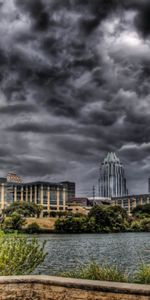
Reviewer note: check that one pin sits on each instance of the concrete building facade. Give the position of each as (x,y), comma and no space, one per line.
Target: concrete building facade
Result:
(52,196)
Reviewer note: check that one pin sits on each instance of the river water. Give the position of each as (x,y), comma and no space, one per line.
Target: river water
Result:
(68,251)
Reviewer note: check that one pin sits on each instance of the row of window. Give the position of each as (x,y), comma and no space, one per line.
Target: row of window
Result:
(125,203)
(34,195)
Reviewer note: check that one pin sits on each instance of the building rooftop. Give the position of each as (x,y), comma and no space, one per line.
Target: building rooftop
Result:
(45,183)
(111,157)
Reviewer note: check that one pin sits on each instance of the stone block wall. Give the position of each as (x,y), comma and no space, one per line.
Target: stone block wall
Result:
(54,288)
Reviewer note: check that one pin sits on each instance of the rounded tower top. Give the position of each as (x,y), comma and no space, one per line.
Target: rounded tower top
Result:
(111,158)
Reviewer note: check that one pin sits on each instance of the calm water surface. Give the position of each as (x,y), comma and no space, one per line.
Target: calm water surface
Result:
(65,252)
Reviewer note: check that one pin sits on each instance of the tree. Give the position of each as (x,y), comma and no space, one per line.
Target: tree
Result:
(141,211)
(13,222)
(19,256)
(108,218)
(100,219)
(71,225)
(25,209)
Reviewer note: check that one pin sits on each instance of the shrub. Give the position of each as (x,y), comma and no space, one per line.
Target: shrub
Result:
(71,225)
(145,224)
(95,272)
(143,274)
(136,226)
(19,256)
(14,222)
(33,228)
(141,211)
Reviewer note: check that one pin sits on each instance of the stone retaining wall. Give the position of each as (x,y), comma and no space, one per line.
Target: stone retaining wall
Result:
(55,288)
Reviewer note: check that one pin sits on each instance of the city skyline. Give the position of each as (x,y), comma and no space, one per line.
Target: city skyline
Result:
(74,85)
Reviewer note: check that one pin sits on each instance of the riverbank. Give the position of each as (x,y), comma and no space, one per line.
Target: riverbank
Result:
(79,225)
(46,225)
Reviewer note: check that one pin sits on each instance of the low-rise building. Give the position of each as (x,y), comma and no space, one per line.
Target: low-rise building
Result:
(81,201)
(131,201)
(99,200)
(52,196)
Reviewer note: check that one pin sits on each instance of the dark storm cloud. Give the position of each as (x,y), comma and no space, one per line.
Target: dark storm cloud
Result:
(142,19)
(38,13)
(74,84)
(39,128)
(17,109)
(30,167)
(98,11)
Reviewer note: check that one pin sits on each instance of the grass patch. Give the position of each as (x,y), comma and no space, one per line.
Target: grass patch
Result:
(95,272)
(143,274)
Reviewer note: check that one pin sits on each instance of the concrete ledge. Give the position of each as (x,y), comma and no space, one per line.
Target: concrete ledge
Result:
(49,287)
(106,286)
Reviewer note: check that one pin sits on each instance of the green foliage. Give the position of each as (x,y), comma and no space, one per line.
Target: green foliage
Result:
(53,214)
(95,272)
(135,226)
(140,225)
(61,214)
(108,218)
(58,214)
(33,228)
(100,219)
(141,211)
(145,225)
(14,222)
(90,225)
(143,274)
(25,209)
(71,225)
(19,256)
(105,219)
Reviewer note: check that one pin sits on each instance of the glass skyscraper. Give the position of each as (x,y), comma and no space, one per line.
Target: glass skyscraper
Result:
(112,181)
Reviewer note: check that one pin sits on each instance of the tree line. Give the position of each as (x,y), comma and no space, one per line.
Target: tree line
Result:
(106,219)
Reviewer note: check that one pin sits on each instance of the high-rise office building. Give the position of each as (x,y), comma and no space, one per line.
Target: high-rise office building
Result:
(149,185)
(70,190)
(112,181)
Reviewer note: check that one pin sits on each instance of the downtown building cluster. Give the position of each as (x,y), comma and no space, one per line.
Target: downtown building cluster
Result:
(113,185)
(61,196)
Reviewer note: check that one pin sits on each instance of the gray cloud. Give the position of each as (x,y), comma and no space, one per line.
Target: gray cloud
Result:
(74,84)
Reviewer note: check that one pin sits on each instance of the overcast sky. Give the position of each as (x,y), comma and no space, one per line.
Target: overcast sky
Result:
(75,84)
